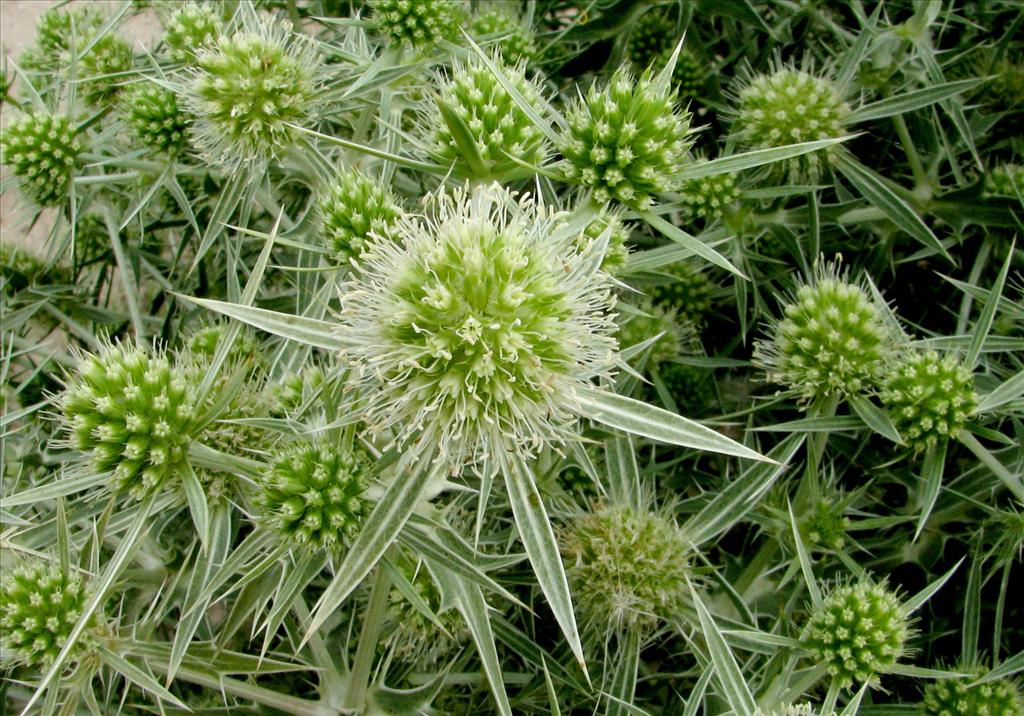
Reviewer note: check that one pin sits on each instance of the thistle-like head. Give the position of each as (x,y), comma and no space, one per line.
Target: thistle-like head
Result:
(133,413)
(314,495)
(42,149)
(627,141)
(352,207)
(627,568)
(420,24)
(833,339)
(156,119)
(246,88)
(858,632)
(472,330)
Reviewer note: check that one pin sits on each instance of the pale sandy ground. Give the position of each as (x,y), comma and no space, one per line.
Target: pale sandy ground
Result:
(17,31)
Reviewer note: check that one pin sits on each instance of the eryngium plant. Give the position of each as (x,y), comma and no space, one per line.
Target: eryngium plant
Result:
(474,329)
(833,339)
(244,91)
(858,632)
(39,605)
(132,413)
(352,207)
(628,141)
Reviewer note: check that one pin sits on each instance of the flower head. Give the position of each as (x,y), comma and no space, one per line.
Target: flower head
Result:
(513,38)
(957,697)
(833,339)
(627,568)
(709,197)
(154,115)
(929,397)
(1005,180)
(689,291)
(790,106)
(471,96)
(649,320)
(191,28)
(415,639)
(858,632)
(43,151)
(314,495)
(475,328)
(352,207)
(628,141)
(108,57)
(133,413)
(418,23)
(244,91)
(39,606)
(56,31)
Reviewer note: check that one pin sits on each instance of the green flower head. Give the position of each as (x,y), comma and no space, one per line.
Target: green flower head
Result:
(154,115)
(689,290)
(790,106)
(833,339)
(858,632)
(413,638)
(476,327)
(470,102)
(353,207)
(959,697)
(627,568)
(42,150)
(417,23)
(39,606)
(709,197)
(191,28)
(511,36)
(244,91)
(929,397)
(314,495)
(648,320)
(616,255)
(1005,180)
(56,31)
(628,141)
(103,67)
(132,413)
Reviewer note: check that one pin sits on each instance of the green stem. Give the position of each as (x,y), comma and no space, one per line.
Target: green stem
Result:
(916,168)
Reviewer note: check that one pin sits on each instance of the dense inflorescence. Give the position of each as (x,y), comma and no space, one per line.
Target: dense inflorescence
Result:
(191,28)
(512,37)
(627,568)
(1005,180)
(417,23)
(832,340)
(957,697)
(628,141)
(153,114)
(42,149)
(858,633)
(649,320)
(244,92)
(470,333)
(709,197)
(929,397)
(616,254)
(790,106)
(353,207)
(470,102)
(314,495)
(39,606)
(132,414)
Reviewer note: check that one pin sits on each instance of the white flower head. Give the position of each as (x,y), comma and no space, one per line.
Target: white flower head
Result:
(471,328)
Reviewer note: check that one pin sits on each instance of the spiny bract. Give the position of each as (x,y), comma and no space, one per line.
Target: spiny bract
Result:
(616,255)
(351,208)
(628,141)
(43,150)
(627,568)
(39,606)
(958,697)
(474,330)
(832,340)
(790,106)
(314,495)
(417,23)
(133,413)
(415,639)
(246,89)
(191,28)
(153,114)
(510,35)
(492,121)
(929,397)
(825,526)
(858,632)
